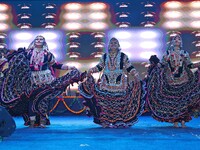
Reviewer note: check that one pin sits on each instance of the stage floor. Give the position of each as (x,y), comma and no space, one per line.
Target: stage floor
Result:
(80,133)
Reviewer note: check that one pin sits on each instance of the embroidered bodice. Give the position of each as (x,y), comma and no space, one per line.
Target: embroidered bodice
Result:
(114,77)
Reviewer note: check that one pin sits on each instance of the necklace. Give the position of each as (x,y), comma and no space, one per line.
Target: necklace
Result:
(37,58)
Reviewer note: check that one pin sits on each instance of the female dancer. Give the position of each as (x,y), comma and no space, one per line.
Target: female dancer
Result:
(28,83)
(173,89)
(114,101)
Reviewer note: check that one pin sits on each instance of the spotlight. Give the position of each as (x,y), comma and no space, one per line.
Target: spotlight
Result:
(123,14)
(97,54)
(98,44)
(48,25)
(24,16)
(73,45)
(148,4)
(49,6)
(173,33)
(123,24)
(49,15)
(24,25)
(24,6)
(123,4)
(98,34)
(73,35)
(3,7)
(148,24)
(73,55)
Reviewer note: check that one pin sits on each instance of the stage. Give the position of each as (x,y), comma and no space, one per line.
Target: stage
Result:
(79,132)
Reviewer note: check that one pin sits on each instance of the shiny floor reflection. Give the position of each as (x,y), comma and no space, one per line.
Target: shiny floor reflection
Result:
(79,132)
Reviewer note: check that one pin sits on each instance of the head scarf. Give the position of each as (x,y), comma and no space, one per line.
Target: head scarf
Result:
(118,49)
(37,57)
(172,43)
(32,45)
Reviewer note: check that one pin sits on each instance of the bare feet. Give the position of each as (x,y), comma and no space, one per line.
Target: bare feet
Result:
(176,124)
(183,124)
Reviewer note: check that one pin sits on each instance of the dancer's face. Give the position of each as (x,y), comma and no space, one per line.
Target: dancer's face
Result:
(39,41)
(177,41)
(114,44)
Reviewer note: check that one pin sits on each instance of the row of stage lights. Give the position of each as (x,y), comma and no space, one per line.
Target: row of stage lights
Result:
(85,16)
(177,15)
(49,16)
(100,8)
(5,23)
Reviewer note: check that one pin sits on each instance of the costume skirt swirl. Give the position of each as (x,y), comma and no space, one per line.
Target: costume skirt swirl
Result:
(172,103)
(113,109)
(17,92)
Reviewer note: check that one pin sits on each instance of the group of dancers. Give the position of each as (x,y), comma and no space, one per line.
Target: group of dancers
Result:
(170,91)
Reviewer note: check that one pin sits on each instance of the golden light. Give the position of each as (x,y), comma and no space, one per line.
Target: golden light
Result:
(173,14)
(98,26)
(73,6)
(173,24)
(195,24)
(72,16)
(72,26)
(3,17)
(3,27)
(97,6)
(195,4)
(195,14)
(173,5)
(3,7)
(97,16)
